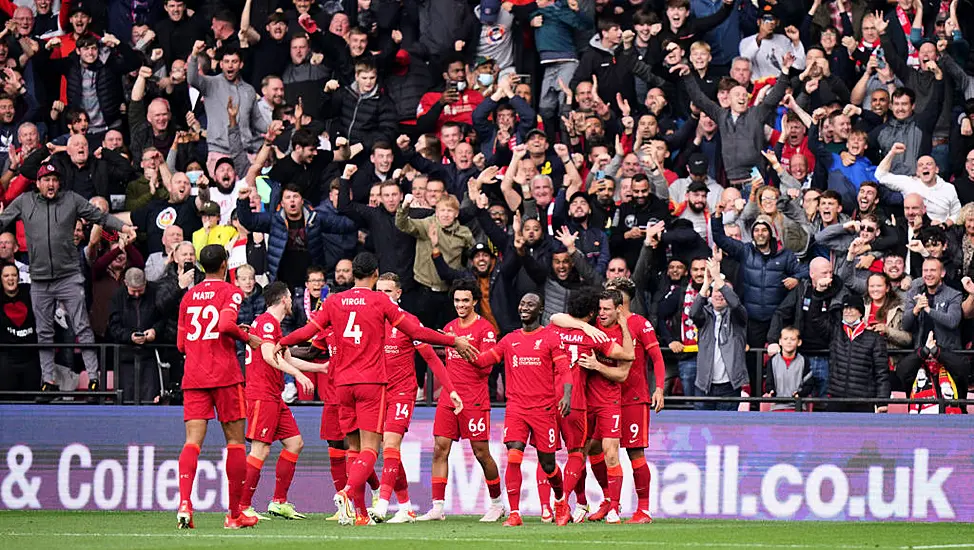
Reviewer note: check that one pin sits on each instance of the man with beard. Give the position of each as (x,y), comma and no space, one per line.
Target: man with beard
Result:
(343,277)
(575,215)
(632,218)
(932,305)
(568,273)
(768,272)
(698,170)
(940,197)
(267,48)
(495,277)
(178,209)
(695,209)
(676,329)
(218,91)
(304,166)
(604,206)
(894,267)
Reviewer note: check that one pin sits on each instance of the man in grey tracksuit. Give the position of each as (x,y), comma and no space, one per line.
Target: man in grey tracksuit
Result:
(49,218)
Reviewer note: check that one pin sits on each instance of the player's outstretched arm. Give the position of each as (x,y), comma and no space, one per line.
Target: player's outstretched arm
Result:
(267,351)
(564,320)
(303,334)
(436,365)
(616,374)
(228,325)
(625,351)
(411,327)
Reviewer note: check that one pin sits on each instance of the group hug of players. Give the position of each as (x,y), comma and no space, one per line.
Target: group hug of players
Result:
(581,382)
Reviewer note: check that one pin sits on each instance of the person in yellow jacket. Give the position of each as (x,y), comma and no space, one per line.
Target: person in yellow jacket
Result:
(212,232)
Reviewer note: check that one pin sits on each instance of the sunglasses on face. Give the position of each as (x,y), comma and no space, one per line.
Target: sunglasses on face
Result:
(869,229)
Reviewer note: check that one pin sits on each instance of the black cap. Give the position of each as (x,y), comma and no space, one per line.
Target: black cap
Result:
(698,164)
(578,195)
(481,247)
(698,186)
(209,208)
(220,162)
(80,8)
(854,301)
(535,132)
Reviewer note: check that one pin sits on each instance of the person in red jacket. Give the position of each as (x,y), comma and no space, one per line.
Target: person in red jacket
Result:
(455,103)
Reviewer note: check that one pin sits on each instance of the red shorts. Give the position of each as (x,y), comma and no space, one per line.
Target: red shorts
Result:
(605,422)
(269,421)
(635,426)
(540,424)
(361,407)
(573,429)
(331,429)
(470,424)
(198,403)
(399,413)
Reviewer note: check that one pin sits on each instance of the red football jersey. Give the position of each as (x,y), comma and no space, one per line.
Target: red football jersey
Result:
(470,380)
(400,360)
(211,357)
(326,380)
(535,364)
(599,390)
(636,387)
(359,318)
(576,343)
(264,381)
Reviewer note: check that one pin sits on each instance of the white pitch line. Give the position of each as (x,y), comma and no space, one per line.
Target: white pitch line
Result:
(937,546)
(460,539)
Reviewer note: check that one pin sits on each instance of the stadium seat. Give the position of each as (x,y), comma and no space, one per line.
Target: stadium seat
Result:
(898,408)
(765,407)
(970,408)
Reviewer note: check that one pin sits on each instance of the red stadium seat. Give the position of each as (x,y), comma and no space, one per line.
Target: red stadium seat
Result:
(898,408)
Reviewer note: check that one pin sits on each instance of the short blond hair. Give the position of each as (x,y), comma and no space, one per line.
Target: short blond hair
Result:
(700,45)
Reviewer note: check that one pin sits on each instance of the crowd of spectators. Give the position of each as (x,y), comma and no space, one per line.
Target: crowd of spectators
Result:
(796,176)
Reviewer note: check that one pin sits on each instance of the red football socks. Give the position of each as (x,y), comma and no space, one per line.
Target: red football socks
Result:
(544,488)
(599,470)
(358,472)
(574,472)
(512,478)
(402,486)
(439,488)
(250,483)
(580,497)
(236,468)
(554,479)
(188,459)
(339,472)
(391,464)
(614,489)
(641,477)
(284,473)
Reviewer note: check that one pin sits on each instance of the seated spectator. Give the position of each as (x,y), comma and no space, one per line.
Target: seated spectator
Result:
(722,321)
(20,368)
(134,319)
(789,374)
(934,373)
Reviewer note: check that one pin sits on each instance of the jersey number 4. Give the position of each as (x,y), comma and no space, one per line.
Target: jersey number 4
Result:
(199,315)
(352,330)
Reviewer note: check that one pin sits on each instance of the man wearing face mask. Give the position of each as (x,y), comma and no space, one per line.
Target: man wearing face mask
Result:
(454,104)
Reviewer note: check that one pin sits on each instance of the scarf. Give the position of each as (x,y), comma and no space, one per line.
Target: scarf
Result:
(853,332)
(688,331)
(912,57)
(868,49)
(924,388)
(309,306)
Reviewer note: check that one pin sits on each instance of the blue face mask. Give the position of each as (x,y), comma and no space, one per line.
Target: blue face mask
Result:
(485,79)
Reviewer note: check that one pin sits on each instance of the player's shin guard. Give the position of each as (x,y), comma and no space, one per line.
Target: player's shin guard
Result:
(254,466)
(512,478)
(544,487)
(284,473)
(236,469)
(391,465)
(358,473)
(574,471)
(599,470)
(188,459)
(641,477)
(339,471)
(554,479)
(614,489)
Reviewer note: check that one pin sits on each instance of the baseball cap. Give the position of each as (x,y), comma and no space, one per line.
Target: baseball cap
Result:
(481,247)
(578,195)
(535,132)
(209,208)
(47,170)
(698,164)
(482,60)
(698,186)
(489,11)
(222,161)
(767,14)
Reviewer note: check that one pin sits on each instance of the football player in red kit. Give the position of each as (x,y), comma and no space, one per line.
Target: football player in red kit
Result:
(268,418)
(359,317)
(401,366)
(603,391)
(207,328)
(473,423)
(539,391)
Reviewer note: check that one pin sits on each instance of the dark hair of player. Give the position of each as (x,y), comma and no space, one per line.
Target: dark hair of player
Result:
(469,285)
(212,258)
(612,294)
(275,292)
(583,303)
(364,265)
(623,285)
(390,276)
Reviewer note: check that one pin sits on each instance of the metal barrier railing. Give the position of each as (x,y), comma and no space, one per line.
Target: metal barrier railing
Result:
(429,397)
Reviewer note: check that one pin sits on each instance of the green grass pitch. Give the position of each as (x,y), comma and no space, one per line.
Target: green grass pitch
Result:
(131,530)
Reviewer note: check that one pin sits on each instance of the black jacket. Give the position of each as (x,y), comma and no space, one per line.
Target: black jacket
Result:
(129,315)
(361,118)
(503,299)
(793,308)
(631,215)
(99,176)
(108,79)
(857,368)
